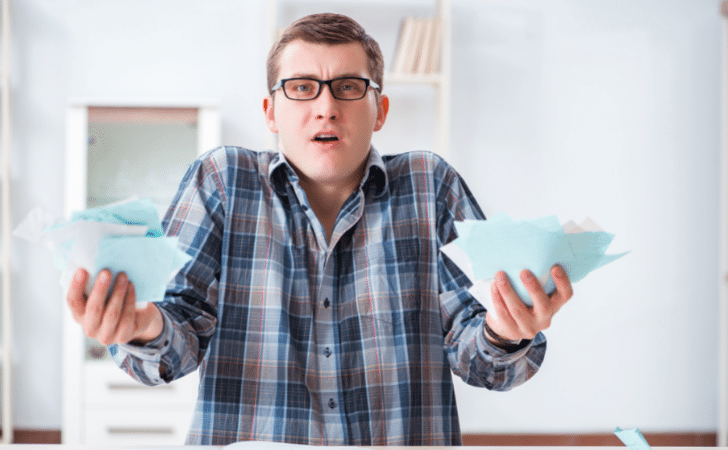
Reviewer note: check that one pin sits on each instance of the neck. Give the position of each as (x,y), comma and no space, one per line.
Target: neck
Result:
(326,200)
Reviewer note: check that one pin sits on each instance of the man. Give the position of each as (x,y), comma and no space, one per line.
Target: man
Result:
(317,304)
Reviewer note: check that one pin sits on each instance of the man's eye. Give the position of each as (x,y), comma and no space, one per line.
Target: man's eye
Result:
(302,87)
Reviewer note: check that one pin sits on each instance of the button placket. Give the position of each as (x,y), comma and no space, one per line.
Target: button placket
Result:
(327,359)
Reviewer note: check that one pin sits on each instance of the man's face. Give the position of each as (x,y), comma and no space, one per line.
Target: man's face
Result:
(347,125)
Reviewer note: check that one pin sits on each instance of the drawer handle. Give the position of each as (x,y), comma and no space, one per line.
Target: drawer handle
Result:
(118,431)
(138,387)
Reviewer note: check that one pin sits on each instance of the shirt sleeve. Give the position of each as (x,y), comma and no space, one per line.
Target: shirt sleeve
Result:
(471,356)
(189,308)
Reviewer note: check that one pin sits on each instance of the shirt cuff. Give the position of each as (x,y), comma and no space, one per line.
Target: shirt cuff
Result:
(495,351)
(152,350)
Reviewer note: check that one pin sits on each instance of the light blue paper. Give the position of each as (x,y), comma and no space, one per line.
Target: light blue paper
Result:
(501,243)
(148,262)
(129,212)
(632,438)
(125,236)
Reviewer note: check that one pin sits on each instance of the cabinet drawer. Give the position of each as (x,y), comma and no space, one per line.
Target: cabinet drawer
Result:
(136,427)
(106,385)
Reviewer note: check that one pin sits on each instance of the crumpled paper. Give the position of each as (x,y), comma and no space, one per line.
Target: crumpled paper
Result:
(484,247)
(125,236)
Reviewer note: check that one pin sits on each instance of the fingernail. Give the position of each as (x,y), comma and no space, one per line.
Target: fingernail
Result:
(502,278)
(104,276)
(121,280)
(78,276)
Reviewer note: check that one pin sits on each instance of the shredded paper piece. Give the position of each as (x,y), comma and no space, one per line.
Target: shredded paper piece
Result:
(632,438)
(484,247)
(122,237)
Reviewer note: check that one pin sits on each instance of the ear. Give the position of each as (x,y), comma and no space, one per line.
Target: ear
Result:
(382,112)
(270,119)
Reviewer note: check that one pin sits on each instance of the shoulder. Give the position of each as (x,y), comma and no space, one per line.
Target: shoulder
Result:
(427,170)
(236,158)
(229,164)
(416,163)
(430,177)
(225,167)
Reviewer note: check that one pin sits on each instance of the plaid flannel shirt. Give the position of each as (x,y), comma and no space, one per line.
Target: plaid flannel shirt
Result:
(304,340)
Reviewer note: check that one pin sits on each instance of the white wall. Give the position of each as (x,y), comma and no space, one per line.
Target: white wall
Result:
(570,107)
(608,110)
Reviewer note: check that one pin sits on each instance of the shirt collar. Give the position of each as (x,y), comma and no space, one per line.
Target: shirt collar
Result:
(375,173)
(280,172)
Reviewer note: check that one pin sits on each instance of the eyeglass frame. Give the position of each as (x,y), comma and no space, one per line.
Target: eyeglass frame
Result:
(369,83)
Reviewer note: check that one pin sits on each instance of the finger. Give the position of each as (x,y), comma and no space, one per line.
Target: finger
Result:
(125,330)
(75,296)
(517,309)
(564,290)
(524,317)
(96,304)
(539,298)
(543,309)
(112,312)
(502,322)
(504,317)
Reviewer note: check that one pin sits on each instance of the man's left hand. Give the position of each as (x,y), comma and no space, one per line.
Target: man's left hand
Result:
(514,320)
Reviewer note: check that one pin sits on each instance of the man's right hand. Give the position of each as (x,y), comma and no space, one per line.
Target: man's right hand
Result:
(115,318)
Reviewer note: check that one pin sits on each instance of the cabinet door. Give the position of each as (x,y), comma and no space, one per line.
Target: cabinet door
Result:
(108,386)
(115,152)
(126,426)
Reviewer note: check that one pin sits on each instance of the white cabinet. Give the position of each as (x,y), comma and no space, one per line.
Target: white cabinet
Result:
(119,410)
(116,150)
(382,20)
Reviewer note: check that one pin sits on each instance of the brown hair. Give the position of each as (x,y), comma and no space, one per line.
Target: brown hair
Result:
(330,29)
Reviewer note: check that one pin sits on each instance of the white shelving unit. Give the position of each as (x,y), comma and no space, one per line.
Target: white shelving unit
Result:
(115,149)
(440,82)
(723,358)
(5,211)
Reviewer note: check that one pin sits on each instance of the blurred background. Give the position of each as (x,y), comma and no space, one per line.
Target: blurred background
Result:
(575,108)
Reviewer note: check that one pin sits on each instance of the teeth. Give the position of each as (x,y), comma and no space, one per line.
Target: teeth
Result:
(325,137)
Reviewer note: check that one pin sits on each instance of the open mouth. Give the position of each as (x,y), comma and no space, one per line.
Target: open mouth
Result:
(326,138)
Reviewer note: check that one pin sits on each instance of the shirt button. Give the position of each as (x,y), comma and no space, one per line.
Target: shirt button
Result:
(327,352)
(326,303)
(332,403)
(304,208)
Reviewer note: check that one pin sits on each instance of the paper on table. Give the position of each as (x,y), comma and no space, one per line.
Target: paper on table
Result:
(124,236)
(484,247)
(632,438)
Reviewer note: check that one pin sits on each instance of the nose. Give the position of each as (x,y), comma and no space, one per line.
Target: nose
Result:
(326,106)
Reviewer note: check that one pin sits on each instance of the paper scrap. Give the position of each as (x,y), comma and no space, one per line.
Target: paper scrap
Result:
(484,247)
(125,236)
(632,438)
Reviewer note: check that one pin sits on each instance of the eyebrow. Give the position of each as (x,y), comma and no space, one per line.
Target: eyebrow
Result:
(309,75)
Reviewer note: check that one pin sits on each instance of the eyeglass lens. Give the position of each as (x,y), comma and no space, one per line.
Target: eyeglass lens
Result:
(308,89)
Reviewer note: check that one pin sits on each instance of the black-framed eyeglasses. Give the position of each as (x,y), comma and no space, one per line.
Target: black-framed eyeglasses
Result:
(343,88)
